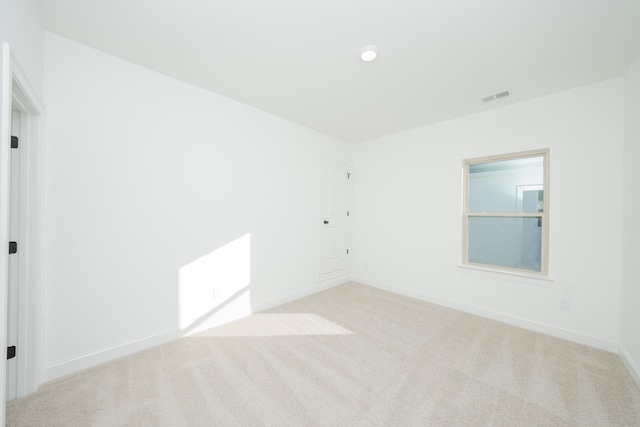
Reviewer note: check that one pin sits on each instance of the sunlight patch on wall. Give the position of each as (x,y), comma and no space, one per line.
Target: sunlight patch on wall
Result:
(215,288)
(278,324)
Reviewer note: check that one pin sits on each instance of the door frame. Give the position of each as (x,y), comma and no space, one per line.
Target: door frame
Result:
(21,96)
(5,138)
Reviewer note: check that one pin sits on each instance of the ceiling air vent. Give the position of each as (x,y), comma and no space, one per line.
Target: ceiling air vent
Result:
(498,95)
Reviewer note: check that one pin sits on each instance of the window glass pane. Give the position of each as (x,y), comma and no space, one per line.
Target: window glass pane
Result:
(507,185)
(513,242)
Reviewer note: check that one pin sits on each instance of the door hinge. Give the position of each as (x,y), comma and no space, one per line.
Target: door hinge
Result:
(13,247)
(348,175)
(347,213)
(11,352)
(14,142)
(347,251)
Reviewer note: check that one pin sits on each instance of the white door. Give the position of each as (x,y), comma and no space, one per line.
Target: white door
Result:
(335,218)
(14,231)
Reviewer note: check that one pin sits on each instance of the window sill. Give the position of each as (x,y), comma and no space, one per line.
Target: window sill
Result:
(530,279)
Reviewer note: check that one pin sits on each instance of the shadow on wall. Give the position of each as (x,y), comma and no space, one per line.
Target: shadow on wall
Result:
(215,288)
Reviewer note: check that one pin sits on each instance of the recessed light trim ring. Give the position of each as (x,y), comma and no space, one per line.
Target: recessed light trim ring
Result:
(368,53)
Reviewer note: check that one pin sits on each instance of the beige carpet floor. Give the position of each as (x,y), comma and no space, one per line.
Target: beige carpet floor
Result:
(349,356)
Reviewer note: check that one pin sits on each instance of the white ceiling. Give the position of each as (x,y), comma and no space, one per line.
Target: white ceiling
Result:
(299,59)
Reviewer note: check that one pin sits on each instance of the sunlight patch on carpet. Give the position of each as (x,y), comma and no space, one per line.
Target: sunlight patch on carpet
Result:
(278,324)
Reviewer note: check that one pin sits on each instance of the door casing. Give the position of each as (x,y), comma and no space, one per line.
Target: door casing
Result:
(18,94)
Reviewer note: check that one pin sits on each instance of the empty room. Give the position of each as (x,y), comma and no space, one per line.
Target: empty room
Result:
(354,213)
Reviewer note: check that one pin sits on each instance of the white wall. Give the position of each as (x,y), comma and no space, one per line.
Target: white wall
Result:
(407,212)
(163,202)
(21,26)
(630,321)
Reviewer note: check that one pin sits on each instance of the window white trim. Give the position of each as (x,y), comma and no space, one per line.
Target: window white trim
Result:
(544,215)
(515,276)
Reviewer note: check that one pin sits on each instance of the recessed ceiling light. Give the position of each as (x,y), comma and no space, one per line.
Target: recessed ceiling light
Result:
(368,53)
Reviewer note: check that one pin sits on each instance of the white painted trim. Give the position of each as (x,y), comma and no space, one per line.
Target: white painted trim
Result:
(630,364)
(30,330)
(335,274)
(567,334)
(26,95)
(322,285)
(5,135)
(90,359)
(530,279)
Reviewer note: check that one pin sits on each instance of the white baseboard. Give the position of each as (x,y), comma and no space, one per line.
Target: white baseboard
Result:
(567,334)
(630,364)
(90,359)
(321,286)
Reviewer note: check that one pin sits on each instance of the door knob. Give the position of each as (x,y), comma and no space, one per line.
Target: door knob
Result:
(326,222)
